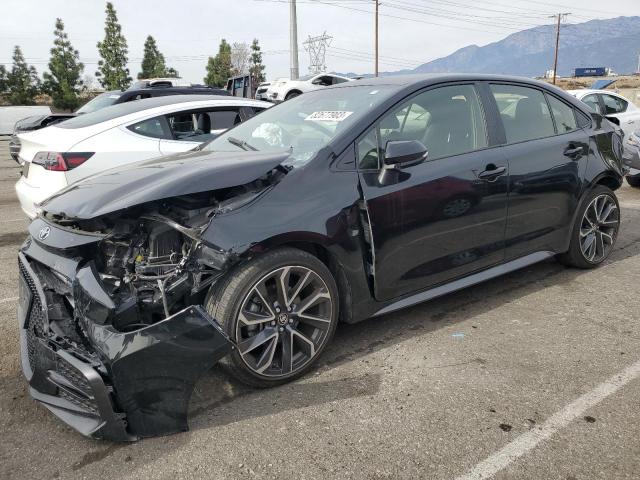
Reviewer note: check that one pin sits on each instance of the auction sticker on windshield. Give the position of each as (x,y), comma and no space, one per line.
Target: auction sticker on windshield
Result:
(328,116)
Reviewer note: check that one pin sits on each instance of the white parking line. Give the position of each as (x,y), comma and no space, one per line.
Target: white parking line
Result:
(528,441)
(7,300)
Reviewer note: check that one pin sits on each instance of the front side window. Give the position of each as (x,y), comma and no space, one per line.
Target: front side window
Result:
(593,103)
(563,115)
(613,104)
(524,112)
(200,126)
(149,128)
(446,120)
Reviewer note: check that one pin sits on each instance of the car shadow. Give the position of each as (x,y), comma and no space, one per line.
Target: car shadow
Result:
(220,400)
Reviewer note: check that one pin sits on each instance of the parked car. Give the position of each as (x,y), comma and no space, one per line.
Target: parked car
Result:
(261,91)
(250,249)
(613,105)
(59,155)
(139,90)
(284,89)
(631,158)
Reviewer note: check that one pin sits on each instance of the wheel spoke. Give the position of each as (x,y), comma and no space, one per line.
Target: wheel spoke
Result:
(266,359)
(282,285)
(252,318)
(321,323)
(607,212)
(287,351)
(308,346)
(261,290)
(599,245)
(299,286)
(257,340)
(588,243)
(607,237)
(309,302)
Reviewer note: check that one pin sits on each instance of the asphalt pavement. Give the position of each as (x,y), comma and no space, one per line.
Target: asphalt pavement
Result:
(535,375)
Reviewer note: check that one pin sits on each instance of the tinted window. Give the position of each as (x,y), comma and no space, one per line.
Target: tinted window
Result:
(224,119)
(447,120)
(149,128)
(103,100)
(562,114)
(613,104)
(524,112)
(200,126)
(592,102)
(125,108)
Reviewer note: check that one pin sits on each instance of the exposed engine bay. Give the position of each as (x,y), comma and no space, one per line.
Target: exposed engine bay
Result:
(151,260)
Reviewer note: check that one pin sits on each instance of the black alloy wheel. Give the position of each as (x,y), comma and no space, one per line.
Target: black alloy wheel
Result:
(281,311)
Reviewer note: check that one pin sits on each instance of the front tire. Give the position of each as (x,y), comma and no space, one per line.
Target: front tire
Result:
(281,310)
(291,95)
(595,230)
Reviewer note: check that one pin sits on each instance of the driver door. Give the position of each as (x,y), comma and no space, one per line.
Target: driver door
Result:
(443,218)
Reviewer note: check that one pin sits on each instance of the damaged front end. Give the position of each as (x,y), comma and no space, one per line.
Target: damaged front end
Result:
(113,331)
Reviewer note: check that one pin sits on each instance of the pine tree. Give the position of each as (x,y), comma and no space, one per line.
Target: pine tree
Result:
(256,68)
(112,68)
(23,83)
(3,80)
(219,67)
(63,80)
(153,64)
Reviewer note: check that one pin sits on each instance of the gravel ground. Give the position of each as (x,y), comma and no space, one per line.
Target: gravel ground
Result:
(428,392)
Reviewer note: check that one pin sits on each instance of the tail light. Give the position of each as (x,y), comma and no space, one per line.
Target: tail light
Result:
(61,162)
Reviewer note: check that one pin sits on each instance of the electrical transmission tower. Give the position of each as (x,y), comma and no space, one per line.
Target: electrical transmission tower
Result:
(317,48)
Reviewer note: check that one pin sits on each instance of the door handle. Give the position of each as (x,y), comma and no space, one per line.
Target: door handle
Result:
(573,152)
(492,173)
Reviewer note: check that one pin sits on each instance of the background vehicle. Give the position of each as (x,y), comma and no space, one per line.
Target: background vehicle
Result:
(263,238)
(139,90)
(631,158)
(611,104)
(284,89)
(261,91)
(62,154)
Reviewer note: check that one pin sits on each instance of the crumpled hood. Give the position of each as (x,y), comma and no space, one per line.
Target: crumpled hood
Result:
(160,178)
(36,122)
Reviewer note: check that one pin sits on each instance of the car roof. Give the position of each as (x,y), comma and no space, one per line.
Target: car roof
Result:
(124,112)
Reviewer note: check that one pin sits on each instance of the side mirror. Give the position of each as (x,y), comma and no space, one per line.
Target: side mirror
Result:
(400,153)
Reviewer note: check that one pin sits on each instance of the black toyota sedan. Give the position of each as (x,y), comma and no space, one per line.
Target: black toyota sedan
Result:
(339,205)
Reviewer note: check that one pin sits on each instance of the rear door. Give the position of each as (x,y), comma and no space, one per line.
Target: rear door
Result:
(445,217)
(189,128)
(627,113)
(547,154)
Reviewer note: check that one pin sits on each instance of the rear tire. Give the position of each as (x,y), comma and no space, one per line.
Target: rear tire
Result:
(595,230)
(634,181)
(267,308)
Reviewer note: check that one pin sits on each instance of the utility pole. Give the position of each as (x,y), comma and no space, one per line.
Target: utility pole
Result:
(638,70)
(376,42)
(293,40)
(560,16)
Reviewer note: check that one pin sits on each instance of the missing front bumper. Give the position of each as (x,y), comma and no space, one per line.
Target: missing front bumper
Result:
(124,385)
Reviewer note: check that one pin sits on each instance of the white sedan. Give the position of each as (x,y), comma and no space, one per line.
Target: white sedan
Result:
(283,89)
(611,104)
(62,154)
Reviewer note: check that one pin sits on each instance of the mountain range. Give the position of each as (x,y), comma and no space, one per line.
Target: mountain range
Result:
(613,43)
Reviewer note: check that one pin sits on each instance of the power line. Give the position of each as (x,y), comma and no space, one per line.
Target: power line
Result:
(317,48)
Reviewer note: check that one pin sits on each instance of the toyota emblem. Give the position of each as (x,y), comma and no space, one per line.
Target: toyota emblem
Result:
(44,233)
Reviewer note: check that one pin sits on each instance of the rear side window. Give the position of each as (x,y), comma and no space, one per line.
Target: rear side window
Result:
(202,125)
(592,102)
(149,128)
(563,115)
(613,104)
(524,112)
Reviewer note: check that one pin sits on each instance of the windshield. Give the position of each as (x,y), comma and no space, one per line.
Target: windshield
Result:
(101,101)
(304,124)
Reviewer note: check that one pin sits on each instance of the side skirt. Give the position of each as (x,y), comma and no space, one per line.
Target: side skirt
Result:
(466,282)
